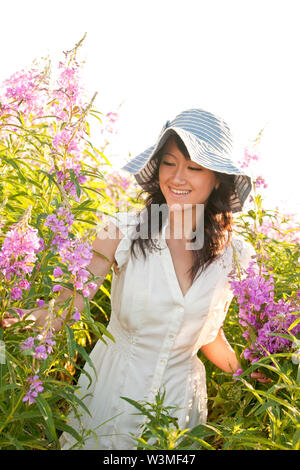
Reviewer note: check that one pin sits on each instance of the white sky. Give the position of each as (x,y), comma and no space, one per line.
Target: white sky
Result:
(237,58)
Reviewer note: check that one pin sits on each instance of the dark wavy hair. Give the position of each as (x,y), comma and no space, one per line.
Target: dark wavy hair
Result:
(217,216)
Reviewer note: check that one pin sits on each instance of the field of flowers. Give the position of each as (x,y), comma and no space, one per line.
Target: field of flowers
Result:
(55,188)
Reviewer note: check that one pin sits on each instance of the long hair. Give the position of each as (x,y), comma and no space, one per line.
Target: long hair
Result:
(217,216)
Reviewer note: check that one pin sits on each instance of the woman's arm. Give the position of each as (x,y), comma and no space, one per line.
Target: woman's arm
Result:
(99,266)
(220,353)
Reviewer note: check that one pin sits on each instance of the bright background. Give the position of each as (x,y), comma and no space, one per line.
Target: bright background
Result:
(236,58)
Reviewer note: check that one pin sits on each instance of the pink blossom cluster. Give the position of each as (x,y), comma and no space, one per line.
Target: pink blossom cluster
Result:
(260,182)
(247,162)
(43,349)
(35,387)
(26,93)
(75,253)
(122,182)
(110,120)
(248,158)
(260,314)
(281,228)
(68,142)
(119,188)
(18,257)
(59,108)
(68,91)
(40,347)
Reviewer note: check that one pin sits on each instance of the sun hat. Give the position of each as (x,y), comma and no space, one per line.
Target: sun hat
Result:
(209,143)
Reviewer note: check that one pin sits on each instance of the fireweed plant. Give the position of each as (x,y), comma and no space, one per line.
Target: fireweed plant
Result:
(263,325)
(52,193)
(270,326)
(55,187)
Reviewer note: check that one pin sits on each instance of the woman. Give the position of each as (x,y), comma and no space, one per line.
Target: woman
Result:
(170,293)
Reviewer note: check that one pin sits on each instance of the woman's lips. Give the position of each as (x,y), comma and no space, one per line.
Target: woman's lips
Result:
(179,193)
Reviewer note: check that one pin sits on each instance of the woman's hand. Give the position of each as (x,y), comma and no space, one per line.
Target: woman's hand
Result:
(38,316)
(260,377)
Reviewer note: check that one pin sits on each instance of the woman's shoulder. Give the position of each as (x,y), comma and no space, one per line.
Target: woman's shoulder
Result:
(125,221)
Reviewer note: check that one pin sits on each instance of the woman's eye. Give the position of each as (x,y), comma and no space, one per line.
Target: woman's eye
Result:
(164,162)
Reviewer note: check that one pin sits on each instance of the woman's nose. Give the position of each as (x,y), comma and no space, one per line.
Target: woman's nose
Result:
(179,175)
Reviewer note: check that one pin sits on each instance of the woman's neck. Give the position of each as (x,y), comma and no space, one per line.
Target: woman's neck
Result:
(184,224)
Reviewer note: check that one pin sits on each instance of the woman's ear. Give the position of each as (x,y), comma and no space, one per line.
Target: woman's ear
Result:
(217,184)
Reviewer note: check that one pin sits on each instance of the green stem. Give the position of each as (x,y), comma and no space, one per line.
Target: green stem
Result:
(12,413)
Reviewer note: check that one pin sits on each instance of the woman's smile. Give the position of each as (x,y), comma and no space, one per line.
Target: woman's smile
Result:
(179,193)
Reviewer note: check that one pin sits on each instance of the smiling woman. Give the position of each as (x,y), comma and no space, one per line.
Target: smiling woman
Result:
(179,181)
(161,314)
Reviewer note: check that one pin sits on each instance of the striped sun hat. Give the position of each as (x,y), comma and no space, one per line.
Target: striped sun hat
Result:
(209,143)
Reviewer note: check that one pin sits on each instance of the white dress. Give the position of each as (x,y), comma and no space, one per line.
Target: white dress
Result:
(157,333)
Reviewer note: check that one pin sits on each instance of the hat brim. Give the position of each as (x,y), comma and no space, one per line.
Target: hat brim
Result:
(143,166)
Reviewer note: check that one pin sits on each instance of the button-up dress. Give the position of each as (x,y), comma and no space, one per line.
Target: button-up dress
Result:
(158,332)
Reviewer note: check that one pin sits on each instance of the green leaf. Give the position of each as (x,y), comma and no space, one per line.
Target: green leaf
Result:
(204,444)
(70,341)
(252,334)
(296,438)
(104,331)
(17,168)
(87,222)
(66,428)
(14,441)
(46,412)
(70,398)
(86,357)
(9,387)
(295,323)
(103,289)
(75,181)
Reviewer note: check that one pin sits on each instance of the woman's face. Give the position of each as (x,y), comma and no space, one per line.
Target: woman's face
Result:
(183,181)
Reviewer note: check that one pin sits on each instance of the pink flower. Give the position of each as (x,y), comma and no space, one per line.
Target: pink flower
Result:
(24,284)
(248,157)
(35,388)
(40,352)
(78,284)
(92,285)
(18,252)
(77,316)
(40,302)
(27,344)
(57,272)
(20,312)
(237,374)
(57,288)
(85,292)
(16,293)
(260,182)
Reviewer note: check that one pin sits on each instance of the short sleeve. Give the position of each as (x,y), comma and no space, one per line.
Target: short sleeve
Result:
(215,319)
(244,252)
(224,295)
(126,222)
